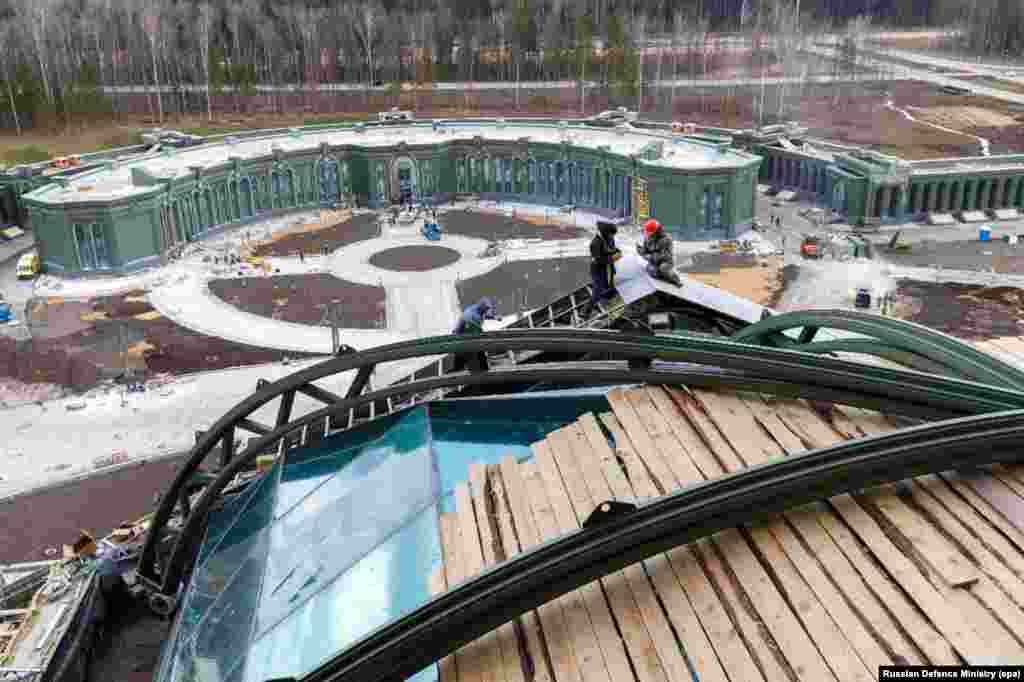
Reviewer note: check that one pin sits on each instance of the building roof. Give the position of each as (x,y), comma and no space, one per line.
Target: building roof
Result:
(117,183)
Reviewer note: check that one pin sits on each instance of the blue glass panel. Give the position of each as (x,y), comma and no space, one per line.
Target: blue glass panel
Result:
(391,480)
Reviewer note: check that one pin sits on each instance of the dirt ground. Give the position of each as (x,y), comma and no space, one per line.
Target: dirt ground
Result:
(76,344)
(525,285)
(414,258)
(757,279)
(997,256)
(298,298)
(355,229)
(498,227)
(971,313)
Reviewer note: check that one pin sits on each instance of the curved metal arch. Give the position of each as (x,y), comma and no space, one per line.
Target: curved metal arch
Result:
(941,348)
(914,391)
(611,541)
(895,354)
(572,373)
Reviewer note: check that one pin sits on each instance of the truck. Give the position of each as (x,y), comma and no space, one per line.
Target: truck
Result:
(810,247)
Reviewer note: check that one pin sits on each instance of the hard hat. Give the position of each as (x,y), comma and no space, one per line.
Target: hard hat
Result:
(651,226)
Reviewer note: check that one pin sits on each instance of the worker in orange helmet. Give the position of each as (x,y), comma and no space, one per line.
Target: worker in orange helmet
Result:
(657,251)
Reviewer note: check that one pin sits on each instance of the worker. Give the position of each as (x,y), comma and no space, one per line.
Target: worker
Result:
(603,254)
(657,251)
(471,322)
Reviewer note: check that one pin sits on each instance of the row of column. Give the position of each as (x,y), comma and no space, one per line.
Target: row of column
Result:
(801,173)
(966,195)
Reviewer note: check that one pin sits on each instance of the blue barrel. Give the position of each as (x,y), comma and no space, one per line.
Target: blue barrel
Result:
(983,234)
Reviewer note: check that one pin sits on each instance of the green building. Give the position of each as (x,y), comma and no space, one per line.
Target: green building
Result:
(128,209)
(132,213)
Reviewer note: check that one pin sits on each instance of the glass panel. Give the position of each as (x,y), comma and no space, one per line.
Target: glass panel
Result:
(246,200)
(100,246)
(460,176)
(531,177)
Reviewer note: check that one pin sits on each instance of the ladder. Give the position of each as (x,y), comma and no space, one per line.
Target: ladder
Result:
(565,311)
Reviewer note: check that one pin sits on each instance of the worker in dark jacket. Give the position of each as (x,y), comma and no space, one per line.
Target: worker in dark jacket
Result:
(657,251)
(603,254)
(471,322)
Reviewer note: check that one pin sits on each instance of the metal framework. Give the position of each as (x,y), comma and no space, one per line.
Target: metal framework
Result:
(618,535)
(602,358)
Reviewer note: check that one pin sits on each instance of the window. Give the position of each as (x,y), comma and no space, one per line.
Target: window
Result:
(508,176)
(345,177)
(91,245)
(328,181)
(716,209)
(247,203)
(281,188)
(460,176)
(705,202)
(531,177)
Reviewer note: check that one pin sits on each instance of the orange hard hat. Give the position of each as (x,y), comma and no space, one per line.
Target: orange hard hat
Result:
(652,226)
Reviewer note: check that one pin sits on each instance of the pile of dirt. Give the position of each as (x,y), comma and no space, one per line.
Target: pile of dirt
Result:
(302,299)
(355,229)
(499,227)
(417,258)
(761,281)
(526,285)
(963,117)
(968,312)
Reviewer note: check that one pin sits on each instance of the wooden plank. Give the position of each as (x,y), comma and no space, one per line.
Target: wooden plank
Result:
(882,605)
(865,644)
(584,639)
(1015,471)
(611,644)
(1004,500)
(1007,615)
(736,423)
(580,469)
(930,546)
(834,561)
(985,508)
(837,651)
(663,478)
(770,422)
(1000,646)
(961,635)
(488,659)
(1004,476)
(686,432)
(445,577)
(758,636)
(973,531)
(732,653)
(508,642)
(536,663)
(708,432)
(662,443)
(552,618)
(799,649)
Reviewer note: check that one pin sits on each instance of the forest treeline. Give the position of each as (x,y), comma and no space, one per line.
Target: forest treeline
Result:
(59,58)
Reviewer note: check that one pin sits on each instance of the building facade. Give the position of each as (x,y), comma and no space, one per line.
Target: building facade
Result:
(133,213)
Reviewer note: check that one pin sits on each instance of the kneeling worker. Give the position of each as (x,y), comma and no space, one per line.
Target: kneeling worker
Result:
(657,251)
(603,254)
(471,322)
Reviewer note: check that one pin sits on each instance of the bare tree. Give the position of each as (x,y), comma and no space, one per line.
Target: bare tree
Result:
(205,19)
(366,18)
(150,18)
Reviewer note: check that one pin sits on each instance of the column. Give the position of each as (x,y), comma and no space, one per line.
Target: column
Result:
(1011,191)
(1004,193)
(985,202)
(884,201)
(941,197)
(957,198)
(1019,199)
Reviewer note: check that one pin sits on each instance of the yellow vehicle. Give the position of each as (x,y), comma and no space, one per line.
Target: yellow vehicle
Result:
(28,265)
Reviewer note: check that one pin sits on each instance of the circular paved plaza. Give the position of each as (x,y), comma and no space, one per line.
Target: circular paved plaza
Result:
(414,258)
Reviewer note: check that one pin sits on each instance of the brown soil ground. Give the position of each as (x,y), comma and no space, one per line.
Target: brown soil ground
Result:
(414,258)
(757,279)
(298,298)
(968,312)
(355,229)
(498,227)
(75,343)
(525,285)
